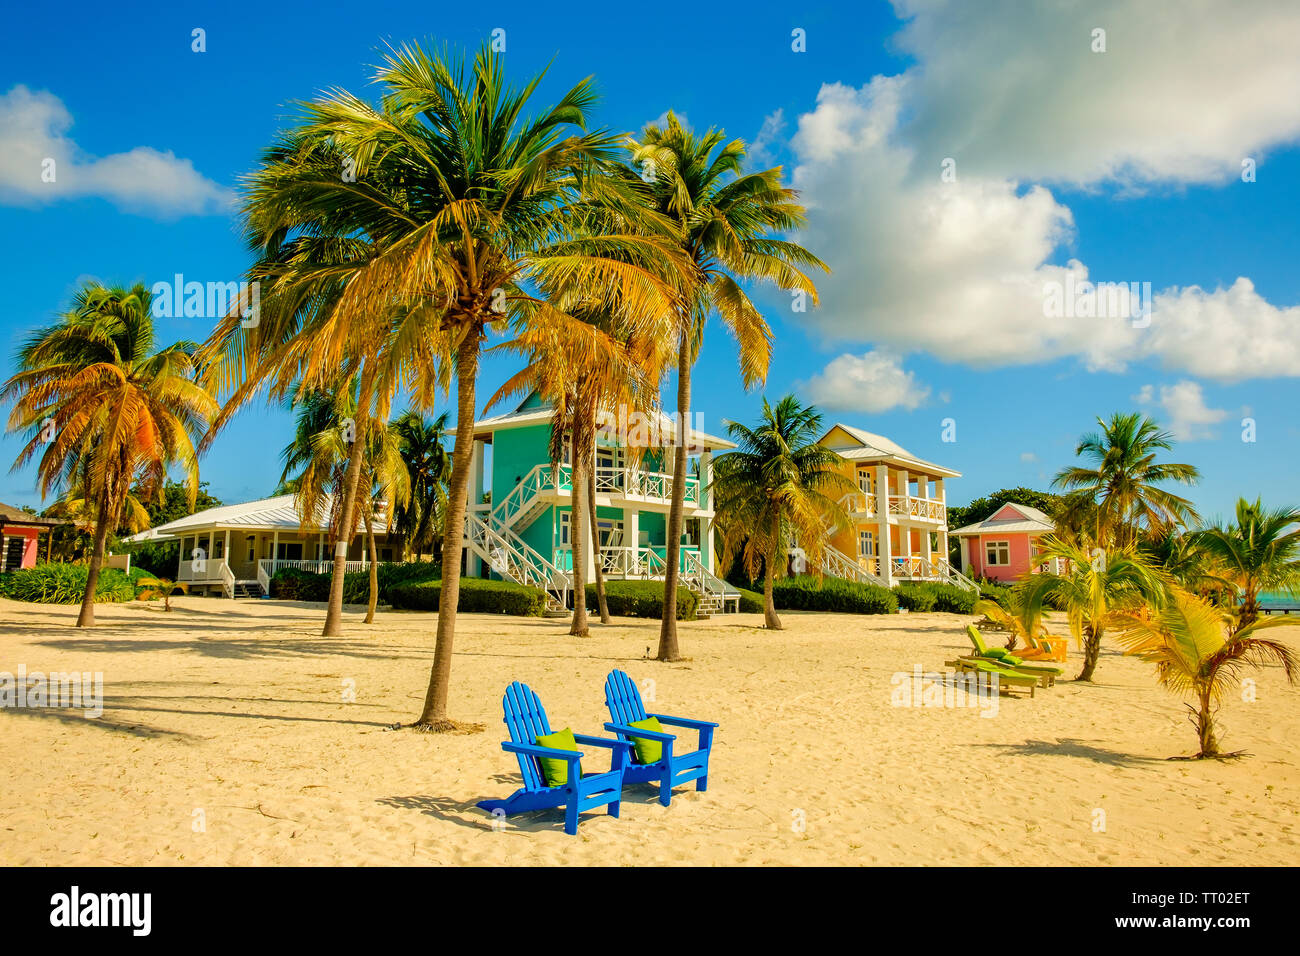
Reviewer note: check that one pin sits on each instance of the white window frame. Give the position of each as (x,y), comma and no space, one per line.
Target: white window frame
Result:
(564,536)
(870,539)
(994,546)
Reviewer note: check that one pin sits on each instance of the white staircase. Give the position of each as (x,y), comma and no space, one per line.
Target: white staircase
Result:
(839,565)
(510,556)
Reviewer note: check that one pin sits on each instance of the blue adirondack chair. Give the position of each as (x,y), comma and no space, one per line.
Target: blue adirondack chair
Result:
(525,719)
(671,769)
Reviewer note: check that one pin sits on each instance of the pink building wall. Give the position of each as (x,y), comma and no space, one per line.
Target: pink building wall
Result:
(1019,545)
(29,547)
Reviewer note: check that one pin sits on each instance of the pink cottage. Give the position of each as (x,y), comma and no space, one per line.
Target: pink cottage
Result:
(1000,547)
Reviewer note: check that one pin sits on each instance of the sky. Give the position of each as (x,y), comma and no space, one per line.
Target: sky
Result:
(968,169)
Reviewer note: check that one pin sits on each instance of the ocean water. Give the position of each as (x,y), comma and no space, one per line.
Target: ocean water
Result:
(1278,601)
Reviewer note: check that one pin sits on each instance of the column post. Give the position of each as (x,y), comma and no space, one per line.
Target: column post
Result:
(884,557)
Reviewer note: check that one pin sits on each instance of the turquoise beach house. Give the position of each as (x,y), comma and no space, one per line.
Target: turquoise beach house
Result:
(518,525)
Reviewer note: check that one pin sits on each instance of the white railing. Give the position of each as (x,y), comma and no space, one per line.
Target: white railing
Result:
(632,562)
(839,565)
(511,557)
(954,576)
(325,566)
(203,571)
(227,580)
(908,506)
(264,578)
(615,482)
(859,503)
(714,591)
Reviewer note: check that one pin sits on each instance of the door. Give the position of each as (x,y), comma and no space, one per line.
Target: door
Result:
(13,554)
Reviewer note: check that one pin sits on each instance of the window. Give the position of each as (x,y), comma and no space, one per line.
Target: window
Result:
(997,553)
(864,481)
(219,548)
(866,544)
(565,518)
(385,554)
(289,551)
(252,548)
(611,532)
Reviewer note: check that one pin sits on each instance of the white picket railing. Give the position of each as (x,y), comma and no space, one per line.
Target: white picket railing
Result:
(859,503)
(839,565)
(511,557)
(631,562)
(714,592)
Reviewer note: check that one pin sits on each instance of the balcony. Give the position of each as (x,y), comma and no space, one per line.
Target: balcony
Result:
(922,509)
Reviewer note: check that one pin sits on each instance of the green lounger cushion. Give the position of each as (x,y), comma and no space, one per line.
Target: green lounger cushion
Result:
(647,751)
(555,770)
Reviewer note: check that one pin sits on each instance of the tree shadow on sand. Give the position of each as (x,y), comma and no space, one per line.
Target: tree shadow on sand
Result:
(1066,747)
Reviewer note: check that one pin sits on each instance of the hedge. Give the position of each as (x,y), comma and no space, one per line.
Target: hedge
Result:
(476,595)
(930,596)
(58,583)
(292,584)
(805,592)
(751,602)
(643,599)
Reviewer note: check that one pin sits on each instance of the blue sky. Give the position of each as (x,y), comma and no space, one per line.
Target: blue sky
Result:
(1122,164)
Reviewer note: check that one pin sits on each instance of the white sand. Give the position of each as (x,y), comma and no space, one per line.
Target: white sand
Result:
(236,709)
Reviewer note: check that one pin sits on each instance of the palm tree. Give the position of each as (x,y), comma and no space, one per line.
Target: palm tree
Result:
(1096,585)
(452,203)
(118,411)
(1196,655)
(728,225)
(316,463)
(1018,625)
(1123,482)
(780,487)
(418,519)
(1261,552)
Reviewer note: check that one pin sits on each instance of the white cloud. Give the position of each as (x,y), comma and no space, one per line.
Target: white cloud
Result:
(760,154)
(1014,89)
(872,382)
(34,127)
(1028,457)
(959,269)
(1186,416)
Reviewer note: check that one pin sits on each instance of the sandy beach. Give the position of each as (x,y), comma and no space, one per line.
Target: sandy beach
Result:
(228,737)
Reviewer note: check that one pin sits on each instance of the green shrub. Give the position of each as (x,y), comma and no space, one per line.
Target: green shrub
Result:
(805,593)
(58,583)
(643,599)
(291,584)
(997,593)
(751,602)
(932,596)
(476,595)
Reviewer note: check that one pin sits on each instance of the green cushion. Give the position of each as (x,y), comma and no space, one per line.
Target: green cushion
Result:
(555,770)
(995,653)
(1010,658)
(647,751)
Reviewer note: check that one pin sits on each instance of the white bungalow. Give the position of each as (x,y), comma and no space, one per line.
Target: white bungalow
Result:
(235,549)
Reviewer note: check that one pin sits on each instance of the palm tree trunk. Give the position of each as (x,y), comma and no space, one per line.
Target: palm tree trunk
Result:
(374,573)
(578,481)
(87,616)
(1091,651)
(1205,722)
(601,603)
(668,649)
(770,619)
(434,715)
(347,514)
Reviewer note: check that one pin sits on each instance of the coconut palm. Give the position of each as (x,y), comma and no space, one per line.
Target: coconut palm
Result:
(160,587)
(1260,552)
(417,520)
(99,405)
(728,225)
(1018,625)
(1198,655)
(316,465)
(778,488)
(396,237)
(1124,480)
(1097,585)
